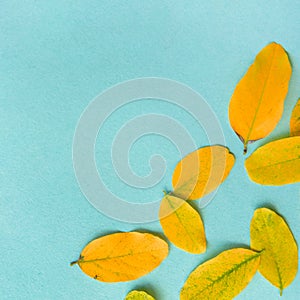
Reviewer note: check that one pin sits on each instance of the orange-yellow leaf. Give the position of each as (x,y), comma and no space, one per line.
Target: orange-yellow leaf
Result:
(138,295)
(256,105)
(182,224)
(279,258)
(122,256)
(295,120)
(222,277)
(201,172)
(276,163)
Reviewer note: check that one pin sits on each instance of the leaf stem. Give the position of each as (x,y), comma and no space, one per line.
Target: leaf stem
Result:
(245,149)
(74,263)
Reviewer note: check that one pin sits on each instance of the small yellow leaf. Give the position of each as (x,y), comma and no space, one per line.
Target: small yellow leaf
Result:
(201,172)
(182,224)
(122,256)
(276,163)
(138,295)
(279,258)
(295,120)
(222,277)
(256,105)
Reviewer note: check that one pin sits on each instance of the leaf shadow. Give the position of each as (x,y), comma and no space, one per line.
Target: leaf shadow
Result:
(155,233)
(148,288)
(268,205)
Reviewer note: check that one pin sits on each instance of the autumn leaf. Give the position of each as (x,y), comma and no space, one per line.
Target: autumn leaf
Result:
(201,172)
(295,120)
(182,224)
(256,105)
(138,295)
(222,277)
(122,256)
(279,260)
(276,163)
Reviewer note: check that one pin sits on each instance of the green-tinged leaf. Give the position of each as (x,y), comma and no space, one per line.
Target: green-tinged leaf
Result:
(279,260)
(222,277)
(276,163)
(138,295)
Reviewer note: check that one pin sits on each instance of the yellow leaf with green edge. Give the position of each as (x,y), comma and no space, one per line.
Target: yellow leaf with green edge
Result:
(182,224)
(256,105)
(222,277)
(138,295)
(202,171)
(122,256)
(279,258)
(295,120)
(276,163)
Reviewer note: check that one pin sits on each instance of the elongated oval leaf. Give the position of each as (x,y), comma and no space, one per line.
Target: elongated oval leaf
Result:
(279,260)
(138,295)
(222,277)
(202,171)
(182,224)
(256,105)
(295,120)
(276,163)
(122,256)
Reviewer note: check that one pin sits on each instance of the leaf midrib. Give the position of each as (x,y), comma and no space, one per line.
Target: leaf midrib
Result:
(81,260)
(179,219)
(274,164)
(260,100)
(236,267)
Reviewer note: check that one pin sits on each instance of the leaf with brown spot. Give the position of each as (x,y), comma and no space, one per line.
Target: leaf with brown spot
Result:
(122,256)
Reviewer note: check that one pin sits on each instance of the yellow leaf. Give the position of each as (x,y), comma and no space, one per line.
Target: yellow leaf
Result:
(201,172)
(256,105)
(182,224)
(276,163)
(122,256)
(295,120)
(222,277)
(279,260)
(138,295)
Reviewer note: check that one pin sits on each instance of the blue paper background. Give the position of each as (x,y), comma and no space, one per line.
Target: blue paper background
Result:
(58,55)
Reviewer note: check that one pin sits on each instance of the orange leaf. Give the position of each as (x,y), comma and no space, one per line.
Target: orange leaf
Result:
(122,256)
(202,171)
(256,105)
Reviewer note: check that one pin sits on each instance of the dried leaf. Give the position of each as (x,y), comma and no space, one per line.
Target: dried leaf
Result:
(222,277)
(122,256)
(276,163)
(256,105)
(138,295)
(295,120)
(279,260)
(201,172)
(182,224)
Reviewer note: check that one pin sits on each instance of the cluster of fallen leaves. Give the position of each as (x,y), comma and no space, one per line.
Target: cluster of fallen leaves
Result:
(254,111)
